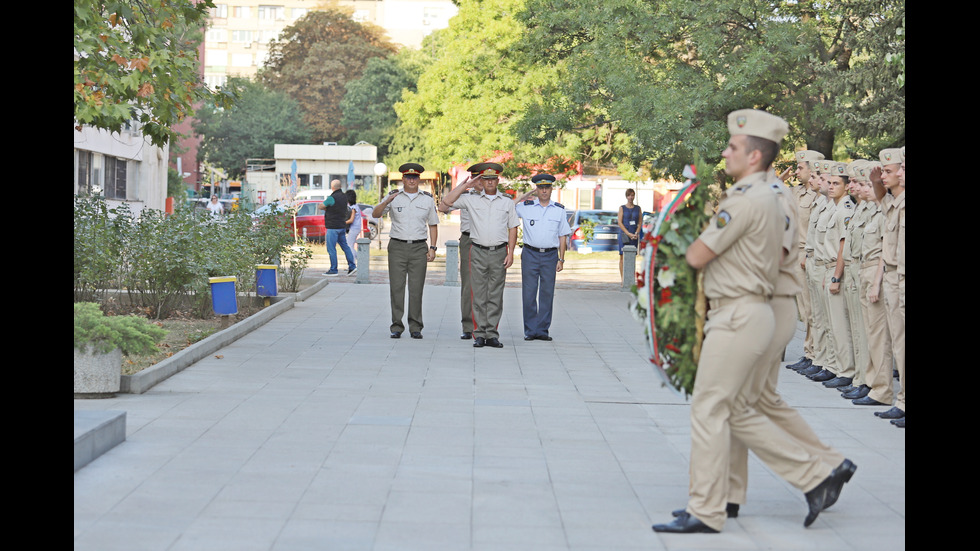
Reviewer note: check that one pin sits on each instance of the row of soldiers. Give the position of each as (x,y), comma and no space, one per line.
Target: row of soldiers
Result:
(852,261)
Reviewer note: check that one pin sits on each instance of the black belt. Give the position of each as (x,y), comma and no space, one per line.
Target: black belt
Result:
(493,248)
(540,250)
(466,233)
(410,241)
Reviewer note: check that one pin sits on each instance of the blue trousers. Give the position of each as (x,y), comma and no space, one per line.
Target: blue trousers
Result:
(538,290)
(339,237)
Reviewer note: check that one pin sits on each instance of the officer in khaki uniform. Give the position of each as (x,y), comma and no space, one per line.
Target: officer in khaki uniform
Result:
(740,252)
(817,269)
(806,200)
(413,218)
(889,189)
(493,231)
(834,243)
(851,287)
(764,386)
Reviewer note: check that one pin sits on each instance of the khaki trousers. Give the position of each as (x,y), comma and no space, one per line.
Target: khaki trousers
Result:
(465,285)
(406,261)
(879,373)
(823,339)
(489,277)
(737,337)
(859,336)
(769,403)
(894,303)
(803,304)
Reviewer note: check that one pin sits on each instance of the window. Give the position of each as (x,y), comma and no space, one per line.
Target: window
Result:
(115,178)
(271,13)
(219,10)
(361,16)
(298,12)
(241,37)
(241,12)
(84,173)
(217,34)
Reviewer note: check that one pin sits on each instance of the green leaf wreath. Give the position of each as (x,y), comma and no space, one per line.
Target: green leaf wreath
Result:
(669,294)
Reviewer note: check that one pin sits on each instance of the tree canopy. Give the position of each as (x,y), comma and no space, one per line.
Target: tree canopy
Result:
(259,119)
(313,60)
(137,60)
(667,72)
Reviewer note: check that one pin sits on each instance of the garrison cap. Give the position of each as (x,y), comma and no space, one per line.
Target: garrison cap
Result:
(543,180)
(891,156)
(837,169)
(808,156)
(411,169)
(752,122)
(854,168)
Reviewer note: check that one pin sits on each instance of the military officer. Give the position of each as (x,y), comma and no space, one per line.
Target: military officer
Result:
(806,200)
(740,252)
(546,232)
(493,231)
(413,218)
(889,189)
(465,281)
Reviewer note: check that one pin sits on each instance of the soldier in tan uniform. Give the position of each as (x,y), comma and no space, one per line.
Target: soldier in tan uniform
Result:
(818,276)
(834,242)
(413,218)
(465,280)
(806,200)
(740,253)
(493,230)
(889,189)
(852,282)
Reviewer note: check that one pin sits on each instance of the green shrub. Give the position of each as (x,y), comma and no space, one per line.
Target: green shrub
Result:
(131,334)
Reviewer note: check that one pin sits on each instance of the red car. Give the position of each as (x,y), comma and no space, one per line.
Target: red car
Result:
(310,220)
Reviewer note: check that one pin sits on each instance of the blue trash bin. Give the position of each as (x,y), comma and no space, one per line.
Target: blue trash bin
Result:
(265,280)
(223,296)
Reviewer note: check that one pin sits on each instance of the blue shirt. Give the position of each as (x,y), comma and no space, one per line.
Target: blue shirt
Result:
(543,224)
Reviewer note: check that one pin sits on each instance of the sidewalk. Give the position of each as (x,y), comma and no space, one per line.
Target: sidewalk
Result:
(318,432)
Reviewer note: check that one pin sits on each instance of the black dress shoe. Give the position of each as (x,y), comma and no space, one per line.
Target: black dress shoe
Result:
(846,471)
(684,523)
(812,370)
(893,413)
(479,342)
(824,375)
(731,509)
(846,388)
(838,382)
(528,338)
(900,423)
(817,498)
(803,363)
(859,392)
(494,342)
(867,401)
(466,336)
(396,334)
(543,338)
(416,334)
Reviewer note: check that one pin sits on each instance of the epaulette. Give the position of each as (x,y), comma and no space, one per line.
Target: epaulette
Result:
(529,202)
(394,191)
(559,205)
(427,193)
(848,205)
(776,187)
(742,188)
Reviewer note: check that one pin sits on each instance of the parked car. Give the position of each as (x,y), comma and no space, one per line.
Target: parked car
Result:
(605,235)
(375,225)
(306,215)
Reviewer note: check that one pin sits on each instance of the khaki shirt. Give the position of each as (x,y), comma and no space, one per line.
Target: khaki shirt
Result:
(825,217)
(871,244)
(787,283)
(411,217)
(491,217)
(855,231)
(892,248)
(747,234)
(811,225)
(806,200)
(837,229)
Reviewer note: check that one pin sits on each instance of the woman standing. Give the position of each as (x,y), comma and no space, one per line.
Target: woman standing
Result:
(630,226)
(353,220)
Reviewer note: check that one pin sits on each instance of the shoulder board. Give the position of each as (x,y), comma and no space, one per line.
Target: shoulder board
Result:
(529,202)
(776,187)
(394,191)
(559,205)
(426,193)
(848,206)
(741,189)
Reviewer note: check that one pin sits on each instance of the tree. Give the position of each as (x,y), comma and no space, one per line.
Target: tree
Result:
(315,58)
(369,104)
(471,94)
(137,60)
(667,72)
(251,127)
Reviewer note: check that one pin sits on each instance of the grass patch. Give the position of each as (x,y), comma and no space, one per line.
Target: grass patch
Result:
(181,333)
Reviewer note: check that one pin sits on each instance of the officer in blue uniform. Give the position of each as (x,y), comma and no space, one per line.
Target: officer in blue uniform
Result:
(546,234)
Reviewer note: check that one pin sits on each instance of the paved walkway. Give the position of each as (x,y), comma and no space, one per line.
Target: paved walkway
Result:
(318,432)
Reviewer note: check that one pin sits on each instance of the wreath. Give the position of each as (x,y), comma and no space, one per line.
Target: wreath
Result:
(669,293)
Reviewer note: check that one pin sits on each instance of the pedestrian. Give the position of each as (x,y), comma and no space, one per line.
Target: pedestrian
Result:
(334,210)
(493,231)
(740,252)
(214,206)
(546,232)
(630,222)
(353,220)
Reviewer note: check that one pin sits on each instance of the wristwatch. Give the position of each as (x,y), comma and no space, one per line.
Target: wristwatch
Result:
(433,248)
(834,279)
(562,260)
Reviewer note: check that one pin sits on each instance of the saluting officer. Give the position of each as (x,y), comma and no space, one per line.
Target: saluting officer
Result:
(546,232)
(412,211)
(493,231)
(465,281)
